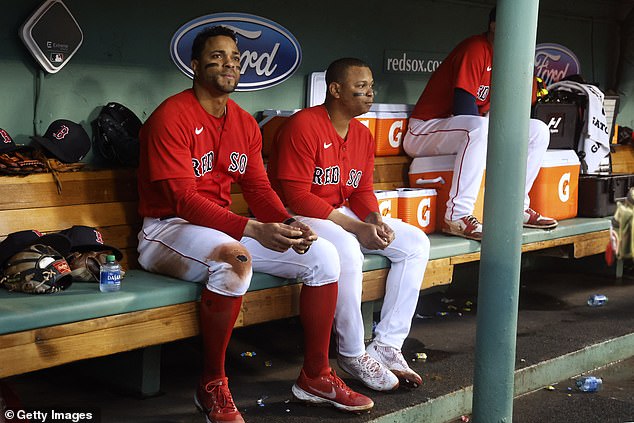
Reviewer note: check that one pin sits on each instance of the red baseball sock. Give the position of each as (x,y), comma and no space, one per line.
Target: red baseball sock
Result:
(218,314)
(317,311)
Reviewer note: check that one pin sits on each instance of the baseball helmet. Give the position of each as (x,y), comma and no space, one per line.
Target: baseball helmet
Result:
(116,134)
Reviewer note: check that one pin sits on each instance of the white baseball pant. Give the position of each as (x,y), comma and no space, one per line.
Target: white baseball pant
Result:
(175,247)
(467,136)
(409,253)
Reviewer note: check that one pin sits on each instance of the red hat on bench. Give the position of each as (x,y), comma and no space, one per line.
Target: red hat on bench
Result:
(18,241)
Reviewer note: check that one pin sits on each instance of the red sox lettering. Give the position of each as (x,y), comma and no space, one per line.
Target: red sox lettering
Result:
(204,164)
(354,177)
(328,176)
(483,92)
(238,162)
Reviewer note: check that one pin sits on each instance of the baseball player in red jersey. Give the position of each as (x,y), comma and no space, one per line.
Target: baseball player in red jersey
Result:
(321,165)
(451,117)
(193,147)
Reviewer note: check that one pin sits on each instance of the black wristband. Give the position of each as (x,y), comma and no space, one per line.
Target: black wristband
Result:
(289,221)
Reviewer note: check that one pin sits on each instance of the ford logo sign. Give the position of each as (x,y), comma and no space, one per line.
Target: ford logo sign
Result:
(553,62)
(269,53)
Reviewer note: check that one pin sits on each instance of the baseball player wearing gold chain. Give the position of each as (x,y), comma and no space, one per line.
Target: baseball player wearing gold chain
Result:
(321,160)
(193,147)
(451,117)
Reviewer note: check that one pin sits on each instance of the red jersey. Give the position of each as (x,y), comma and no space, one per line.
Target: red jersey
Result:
(181,141)
(467,67)
(314,170)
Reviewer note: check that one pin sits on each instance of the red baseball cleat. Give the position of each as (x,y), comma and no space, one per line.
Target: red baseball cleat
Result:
(215,401)
(467,227)
(533,219)
(332,390)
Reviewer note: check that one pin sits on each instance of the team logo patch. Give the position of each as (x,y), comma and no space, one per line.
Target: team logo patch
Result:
(553,62)
(6,138)
(63,131)
(269,53)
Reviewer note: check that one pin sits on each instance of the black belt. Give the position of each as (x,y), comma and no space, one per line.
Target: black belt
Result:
(167,217)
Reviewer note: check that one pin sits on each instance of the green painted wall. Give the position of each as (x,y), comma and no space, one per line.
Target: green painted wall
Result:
(125,56)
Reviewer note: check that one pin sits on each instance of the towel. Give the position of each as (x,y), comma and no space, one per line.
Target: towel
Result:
(594,139)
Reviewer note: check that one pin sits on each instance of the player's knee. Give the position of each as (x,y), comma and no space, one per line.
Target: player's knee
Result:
(323,265)
(421,244)
(541,131)
(230,268)
(411,243)
(479,132)
(350,254)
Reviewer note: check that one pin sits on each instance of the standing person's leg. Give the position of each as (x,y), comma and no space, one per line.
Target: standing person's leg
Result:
(538,140)
(466,137)
(165,246)
(318,269)
(349,328)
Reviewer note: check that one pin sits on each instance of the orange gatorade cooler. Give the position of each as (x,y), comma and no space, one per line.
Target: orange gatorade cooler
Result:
(270,123)
(390,127)
(555,190)
(417,206)
(389,132)
(369,120)
(388,202)
(436,172)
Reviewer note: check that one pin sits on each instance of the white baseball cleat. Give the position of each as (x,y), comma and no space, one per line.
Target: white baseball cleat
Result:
(372,373)
(393,359)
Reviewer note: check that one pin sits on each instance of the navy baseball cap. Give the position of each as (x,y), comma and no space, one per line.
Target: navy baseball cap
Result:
(18,241)
(66,140)
(7,145)
(86,238)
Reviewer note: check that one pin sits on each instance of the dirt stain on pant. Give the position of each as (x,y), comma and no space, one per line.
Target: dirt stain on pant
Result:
(237,256)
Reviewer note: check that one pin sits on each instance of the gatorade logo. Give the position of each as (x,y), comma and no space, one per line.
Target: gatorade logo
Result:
(395,134)
(385,208)
(423,214)
(563,188)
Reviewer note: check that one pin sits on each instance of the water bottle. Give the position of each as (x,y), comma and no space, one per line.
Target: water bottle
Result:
(110,275)
(597,300)
(589,384)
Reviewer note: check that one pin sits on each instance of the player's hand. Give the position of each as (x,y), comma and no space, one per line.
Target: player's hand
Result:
(383,229)
(370,238)
(385,232)
(274,236)
(307,238)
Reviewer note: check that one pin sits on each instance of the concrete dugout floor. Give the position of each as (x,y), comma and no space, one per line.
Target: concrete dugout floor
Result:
(554,327)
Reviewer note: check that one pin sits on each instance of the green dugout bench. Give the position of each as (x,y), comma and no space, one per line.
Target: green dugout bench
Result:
(41,331)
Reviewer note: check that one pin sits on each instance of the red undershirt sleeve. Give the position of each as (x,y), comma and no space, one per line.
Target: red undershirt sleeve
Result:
(264,203)
(198,210)
(363,200)
(363,203)
(303,202)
